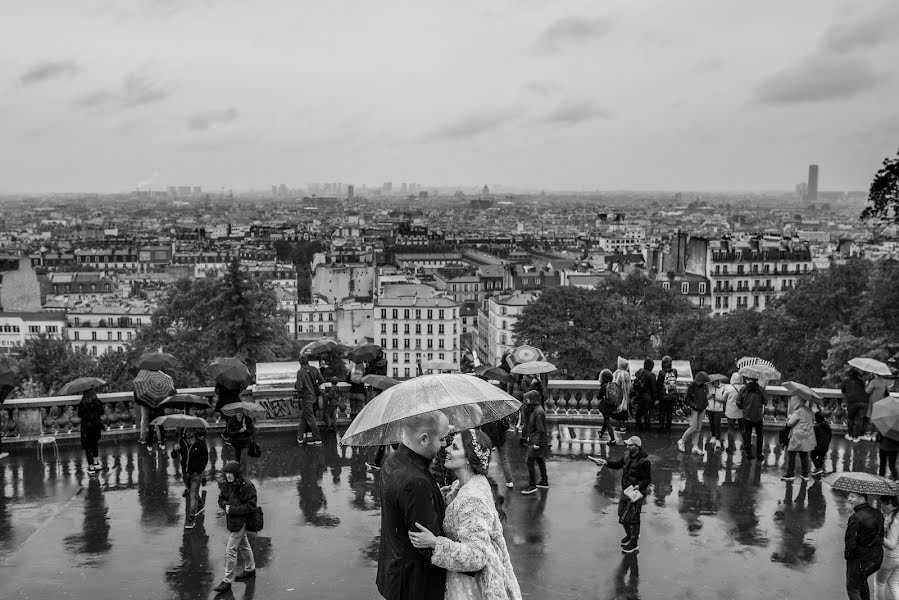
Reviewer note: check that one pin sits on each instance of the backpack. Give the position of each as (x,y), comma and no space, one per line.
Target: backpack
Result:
(614,394)
(356,374)
(669,383)
(255,520)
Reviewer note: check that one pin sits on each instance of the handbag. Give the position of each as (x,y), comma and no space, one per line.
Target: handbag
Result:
(256,520)
(255,450)
(630,514)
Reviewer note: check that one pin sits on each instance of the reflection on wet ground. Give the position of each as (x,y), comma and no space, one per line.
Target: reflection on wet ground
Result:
(715,526)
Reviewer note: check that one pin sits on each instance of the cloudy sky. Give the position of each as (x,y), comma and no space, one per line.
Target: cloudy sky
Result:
(106,95)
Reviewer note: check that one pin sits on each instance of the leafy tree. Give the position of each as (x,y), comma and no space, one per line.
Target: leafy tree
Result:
(844,346)
(52,363)
(713,344)
(883,195)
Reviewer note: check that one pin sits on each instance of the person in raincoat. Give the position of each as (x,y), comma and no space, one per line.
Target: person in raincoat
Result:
(697,398)
(622,376)
(237,497)
(876,388)
(853,388)
(240,431)
(732,411)
(644,393)
(90,411)
(715,410)
(802,437)
(822,442)
(606,408)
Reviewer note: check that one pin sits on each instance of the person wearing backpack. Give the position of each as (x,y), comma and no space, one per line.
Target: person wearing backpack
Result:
(622,378)
(752,400)
(608,404)
(697,399)
(666,392)
(237,497)
(644,391)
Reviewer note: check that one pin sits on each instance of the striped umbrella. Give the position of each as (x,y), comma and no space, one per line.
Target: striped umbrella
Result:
(152,387)
(760,371)
(862,483)
(525,353)
(749,361)
(251,409)
(467,401)
(534,367)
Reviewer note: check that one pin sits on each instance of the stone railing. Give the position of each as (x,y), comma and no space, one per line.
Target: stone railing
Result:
(575,400)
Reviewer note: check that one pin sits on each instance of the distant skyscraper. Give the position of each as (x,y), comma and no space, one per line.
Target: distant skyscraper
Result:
(282,189)
(403,188)
(198,190)
(812,194)
(274,190)
(350,192)
(388,187)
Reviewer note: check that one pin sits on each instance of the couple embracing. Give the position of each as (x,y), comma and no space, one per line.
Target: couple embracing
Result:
(442,543)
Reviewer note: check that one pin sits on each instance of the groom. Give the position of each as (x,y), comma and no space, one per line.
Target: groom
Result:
(410,495)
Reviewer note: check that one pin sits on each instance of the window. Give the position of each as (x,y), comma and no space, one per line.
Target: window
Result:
(755,301)
(502,339)
(406,329)
(330,316)
(395,328)
(93,335)
(440,329)
(740,269)
(685,288)
(34,329)
(406,343)
(505,326)
(130,335)
(430,314)
(119,335)
(430,356)
(430,329)
(109,335)
(406,373)
(417,313)
(455,326)
(77,337)
(418,328)
(330,328)
(440,356)
(717,269)
(396,373)
(666,285)
(767,268)
(430,344)
(405,357)
(417,343)
(717,301)
(702,287)
(396,357)
(52,329)
(502,311)
(383,313)
(396,344)
(94,350)
(726,302)
(455,288)
(383,327)
(418,357)
(406,314)
(383,342)
(396,314)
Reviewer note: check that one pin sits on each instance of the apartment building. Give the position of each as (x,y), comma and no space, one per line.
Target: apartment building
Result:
(105,326)
(413,330)
(496,323)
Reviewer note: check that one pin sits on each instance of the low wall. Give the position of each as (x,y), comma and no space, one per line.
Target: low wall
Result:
(23,420)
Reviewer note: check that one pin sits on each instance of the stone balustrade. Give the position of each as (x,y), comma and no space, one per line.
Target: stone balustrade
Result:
(569,400)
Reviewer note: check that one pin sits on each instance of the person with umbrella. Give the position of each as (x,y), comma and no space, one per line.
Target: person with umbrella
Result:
(307,388)
(863,545)
(853,388)
(239,432)
(90,411)
(801,425)
(194,455)
(752,400)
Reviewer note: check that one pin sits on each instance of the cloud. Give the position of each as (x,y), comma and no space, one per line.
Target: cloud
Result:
(48,70)
(818,79)
(135,91)
(572,30)
(540,89)
(472,124)
(574,111)
(866,32)
(211,118)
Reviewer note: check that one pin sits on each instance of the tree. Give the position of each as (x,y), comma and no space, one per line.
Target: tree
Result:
(883,195)
(844,346)
(713,344)
(52,363)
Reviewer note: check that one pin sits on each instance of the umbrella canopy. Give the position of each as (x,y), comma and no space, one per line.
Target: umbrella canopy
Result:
(862,483)
(885,416)
(156,361)
(870,365)
(252,409)
(152,387)
(230,372)
(534,367)
(80,385)
(493,373)
(364,353)
(7,380)
(185,401)
(748,361)
(379,382)
(467,401)
(525,353)
(760,371)
(801,390)
(186,421)
(320,347)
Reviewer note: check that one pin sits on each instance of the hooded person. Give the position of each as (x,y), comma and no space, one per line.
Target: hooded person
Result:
(644,392)
(853,388)
(607,406)
(733,413)
(697,399)
(822,442)
(666,392)
(622,377)
(752,400)
(237,497)
(802,437)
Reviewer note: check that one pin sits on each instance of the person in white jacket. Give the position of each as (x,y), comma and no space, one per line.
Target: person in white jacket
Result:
(886,580)
(731,411)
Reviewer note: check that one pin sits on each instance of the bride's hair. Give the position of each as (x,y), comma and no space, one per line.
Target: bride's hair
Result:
(479,464)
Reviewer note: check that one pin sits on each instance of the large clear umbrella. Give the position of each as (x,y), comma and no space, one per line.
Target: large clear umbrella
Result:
(466,400)
(885,417)
(871,365)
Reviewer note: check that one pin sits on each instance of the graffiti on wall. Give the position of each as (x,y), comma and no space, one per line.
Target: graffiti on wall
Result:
(280,408)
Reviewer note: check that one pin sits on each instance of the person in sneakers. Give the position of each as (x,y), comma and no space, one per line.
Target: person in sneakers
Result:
(538,443)
(644,389)
(732,411)
(331,395)
(752,400)
(307,387)
(802,437)
(697,399)
(666,392)
(853,388)
(636,471)
(887,451)
(622,377)
(194,455)
(90,411)
(863,546)
(822,442)
(237,497)
(607,407)
(715,410)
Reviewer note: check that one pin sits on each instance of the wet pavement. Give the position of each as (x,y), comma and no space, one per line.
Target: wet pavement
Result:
(719,528)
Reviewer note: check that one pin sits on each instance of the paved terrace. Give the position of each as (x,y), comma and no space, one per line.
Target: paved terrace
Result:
(714,526)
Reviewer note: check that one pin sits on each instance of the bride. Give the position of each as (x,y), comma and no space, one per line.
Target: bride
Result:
(474,553)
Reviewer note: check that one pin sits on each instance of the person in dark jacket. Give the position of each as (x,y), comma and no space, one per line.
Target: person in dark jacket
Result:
(697,399)
(888,451)
(496,431)
(864,546)
(194,455)
(853,388)
(409,495)
(90,411)
(239,431)
(331,394)
(224,395)
(307,389)
(378,366)
(644,389)
(237,497)
(752,400)
(526,409)
(357,394)
(666,393)
(606,409)
(822,443)
(155,432)
(636,472)
(538,443)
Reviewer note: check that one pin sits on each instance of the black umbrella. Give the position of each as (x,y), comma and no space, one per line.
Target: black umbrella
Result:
(156,361)
(185,401)
(230,372)
(494,373)
(80,385)
(364,353)
(320,347)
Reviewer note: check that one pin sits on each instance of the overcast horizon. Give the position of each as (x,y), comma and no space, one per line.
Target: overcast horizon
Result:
(108,96)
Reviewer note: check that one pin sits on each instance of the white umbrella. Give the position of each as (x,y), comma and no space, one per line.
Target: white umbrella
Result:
(534,367)
(870,365)
(466,400)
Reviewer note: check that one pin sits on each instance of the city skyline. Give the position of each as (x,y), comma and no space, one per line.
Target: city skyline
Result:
(696,97)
